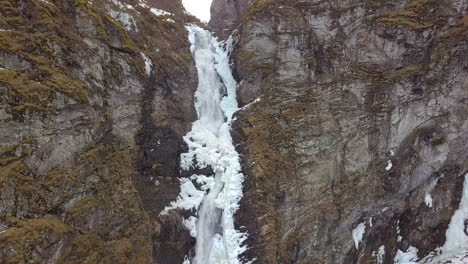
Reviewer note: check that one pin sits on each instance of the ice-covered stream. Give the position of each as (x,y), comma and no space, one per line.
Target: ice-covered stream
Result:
(214,198)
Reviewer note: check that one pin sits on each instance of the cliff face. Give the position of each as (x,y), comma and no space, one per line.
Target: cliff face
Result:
(94,99)
(355,116)
(226,16)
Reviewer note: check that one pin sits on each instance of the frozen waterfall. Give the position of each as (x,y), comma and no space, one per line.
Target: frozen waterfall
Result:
(215,198)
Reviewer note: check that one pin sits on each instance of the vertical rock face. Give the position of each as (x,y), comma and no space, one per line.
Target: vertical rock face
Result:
(355,115)
(94,99)
(226,16)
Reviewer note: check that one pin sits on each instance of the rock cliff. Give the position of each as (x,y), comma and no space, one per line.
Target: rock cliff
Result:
(354,120)
(95,97)
(353,129)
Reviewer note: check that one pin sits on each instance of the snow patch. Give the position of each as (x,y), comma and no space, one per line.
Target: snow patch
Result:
(389,165)
(428,199)
(148,66)
(408,257)
(122,5)
(143,4)
(380,255)
(399,237)
(457,233)
(427,196)
(258,99)
(47,2)
(455,249)
(127,21)
(358,234)
(160,12)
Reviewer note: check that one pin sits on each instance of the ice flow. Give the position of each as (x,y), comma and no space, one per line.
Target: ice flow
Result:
(215,198)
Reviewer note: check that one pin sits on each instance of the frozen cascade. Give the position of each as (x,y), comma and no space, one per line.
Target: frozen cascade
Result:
(215,198)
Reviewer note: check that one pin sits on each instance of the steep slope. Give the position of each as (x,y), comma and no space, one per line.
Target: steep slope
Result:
(95,97)
(354,126)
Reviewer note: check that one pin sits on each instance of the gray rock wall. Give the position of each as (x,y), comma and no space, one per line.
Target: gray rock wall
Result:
(226,16)
(334,93)
(90,140)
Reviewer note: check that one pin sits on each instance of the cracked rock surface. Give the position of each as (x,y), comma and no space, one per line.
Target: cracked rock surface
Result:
(355,112)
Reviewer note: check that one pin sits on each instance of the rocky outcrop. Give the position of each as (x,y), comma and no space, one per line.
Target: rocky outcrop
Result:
(354,115)
(226,16)
(94,99)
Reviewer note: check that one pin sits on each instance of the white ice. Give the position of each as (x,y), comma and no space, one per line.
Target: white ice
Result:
(160,12)
(380,255)
(455,249)
(127,21)
(457,232)
(389,165)
(358,234)
(122,5)
(148,65)
(210,145)
(408,257)
(427,196)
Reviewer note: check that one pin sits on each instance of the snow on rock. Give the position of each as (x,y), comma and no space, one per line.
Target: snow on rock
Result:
(122,5)
(380,255)
(408,257)
(389,165)
(457,233)
(258,99)
(148,64)
(399,237)
(47,2)
(143,4)
(455,248)
(452,257)
(428,197)
(191,224)
(160,12)
(358,234)
(127,21)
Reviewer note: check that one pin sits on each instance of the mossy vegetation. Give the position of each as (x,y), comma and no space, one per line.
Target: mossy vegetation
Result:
(12,165)
(418,15)
(88,205)
(260,6)
(112,191)
(407,72)
(438,141)
(37,40)
(455,36)
(376,74)
(22,235)
(84,206)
